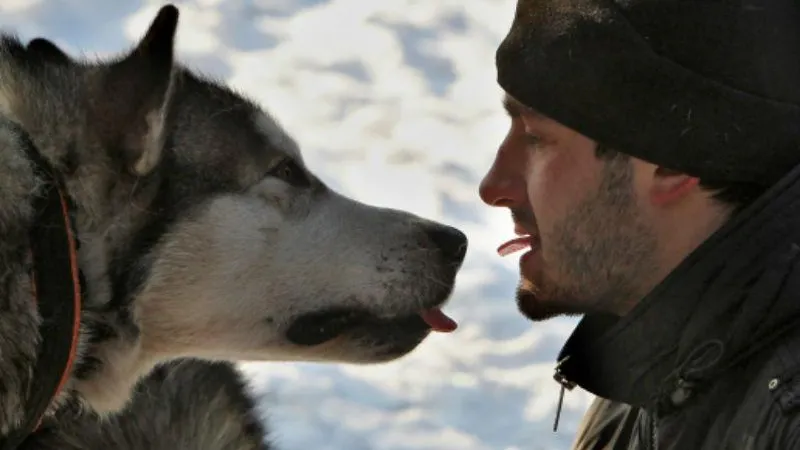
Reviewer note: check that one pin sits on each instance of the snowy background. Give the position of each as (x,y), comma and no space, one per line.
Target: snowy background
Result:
(394,103)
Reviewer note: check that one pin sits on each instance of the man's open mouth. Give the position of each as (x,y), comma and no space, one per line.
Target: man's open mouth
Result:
(319,327)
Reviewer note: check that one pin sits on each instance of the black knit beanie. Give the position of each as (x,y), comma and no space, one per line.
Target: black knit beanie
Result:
(710,88)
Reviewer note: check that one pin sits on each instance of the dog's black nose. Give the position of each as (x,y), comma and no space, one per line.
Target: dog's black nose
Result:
(452,242)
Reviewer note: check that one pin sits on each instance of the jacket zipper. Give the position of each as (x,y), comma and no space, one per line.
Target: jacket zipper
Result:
(654,432)
(565,385)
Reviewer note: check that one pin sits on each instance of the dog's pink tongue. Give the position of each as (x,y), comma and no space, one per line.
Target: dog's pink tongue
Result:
(438,320)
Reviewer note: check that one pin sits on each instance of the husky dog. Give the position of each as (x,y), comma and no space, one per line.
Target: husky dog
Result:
(149,214)
(182,404)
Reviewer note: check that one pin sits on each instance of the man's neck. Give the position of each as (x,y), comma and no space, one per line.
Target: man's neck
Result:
(681,231)
(729,294)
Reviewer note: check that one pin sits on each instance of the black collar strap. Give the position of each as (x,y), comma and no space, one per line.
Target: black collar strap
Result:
(56,289)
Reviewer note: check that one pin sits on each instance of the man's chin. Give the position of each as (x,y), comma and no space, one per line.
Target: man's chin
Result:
(532,308)
(537,307)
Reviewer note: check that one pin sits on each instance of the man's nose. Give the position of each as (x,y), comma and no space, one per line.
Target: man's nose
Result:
(503,185)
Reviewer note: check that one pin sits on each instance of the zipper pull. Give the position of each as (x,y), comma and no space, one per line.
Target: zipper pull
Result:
(565,385)
(558,408)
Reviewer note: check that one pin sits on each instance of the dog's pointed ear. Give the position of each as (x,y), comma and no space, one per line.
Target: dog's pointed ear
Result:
(48,52)
(136,95)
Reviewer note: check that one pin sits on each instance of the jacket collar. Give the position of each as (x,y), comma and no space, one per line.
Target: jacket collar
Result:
(733,295)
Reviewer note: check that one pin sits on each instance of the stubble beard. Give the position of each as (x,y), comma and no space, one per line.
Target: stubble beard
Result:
(597,259)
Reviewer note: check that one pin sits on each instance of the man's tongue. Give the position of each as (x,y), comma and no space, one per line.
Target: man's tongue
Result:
(514,245)
(438,320)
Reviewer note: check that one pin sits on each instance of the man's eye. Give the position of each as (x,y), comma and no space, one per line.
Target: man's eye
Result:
(291,173)
(532,140)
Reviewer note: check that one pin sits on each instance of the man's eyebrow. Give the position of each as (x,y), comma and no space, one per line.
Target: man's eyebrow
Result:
(511,107)
(516,109)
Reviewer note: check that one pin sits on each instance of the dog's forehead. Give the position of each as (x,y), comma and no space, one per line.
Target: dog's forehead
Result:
(277,138)
(219,128)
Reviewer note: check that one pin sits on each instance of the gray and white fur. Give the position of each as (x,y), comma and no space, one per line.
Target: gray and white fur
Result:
(203,238)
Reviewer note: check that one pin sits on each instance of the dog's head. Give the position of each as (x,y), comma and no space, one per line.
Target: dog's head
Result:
(198,216)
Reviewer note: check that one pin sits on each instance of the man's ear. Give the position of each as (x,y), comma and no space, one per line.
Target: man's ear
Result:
(48,52)
(135,96)
(669,186)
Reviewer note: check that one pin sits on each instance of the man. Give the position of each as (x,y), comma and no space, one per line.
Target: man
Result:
(652,169)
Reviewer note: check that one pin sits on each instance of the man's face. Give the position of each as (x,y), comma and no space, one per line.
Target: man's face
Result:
(591,246)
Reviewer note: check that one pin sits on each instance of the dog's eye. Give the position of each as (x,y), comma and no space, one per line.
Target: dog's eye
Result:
(290,172)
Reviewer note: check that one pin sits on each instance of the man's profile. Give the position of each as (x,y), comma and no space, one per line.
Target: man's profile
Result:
(652,168)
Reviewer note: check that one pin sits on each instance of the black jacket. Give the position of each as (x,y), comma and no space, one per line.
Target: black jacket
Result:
(710,359)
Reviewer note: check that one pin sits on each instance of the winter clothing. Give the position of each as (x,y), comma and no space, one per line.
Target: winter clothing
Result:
(710,359)
(706,87)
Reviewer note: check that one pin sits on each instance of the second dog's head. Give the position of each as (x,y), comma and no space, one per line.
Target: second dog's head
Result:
(198,217)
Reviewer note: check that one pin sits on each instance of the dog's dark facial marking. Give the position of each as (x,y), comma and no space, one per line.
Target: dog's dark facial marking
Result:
(289,171)
(393,337)
(319,327)
(127,270)
(396,335)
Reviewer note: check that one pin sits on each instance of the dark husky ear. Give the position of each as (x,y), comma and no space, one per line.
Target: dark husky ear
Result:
(136,94)
(47,51)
